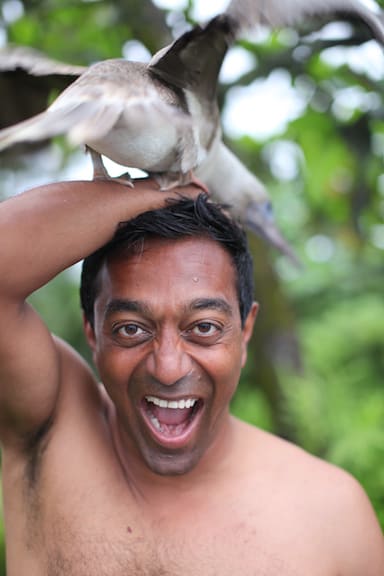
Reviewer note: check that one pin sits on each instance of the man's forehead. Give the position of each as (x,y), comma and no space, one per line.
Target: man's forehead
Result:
(190,247)
(189,263)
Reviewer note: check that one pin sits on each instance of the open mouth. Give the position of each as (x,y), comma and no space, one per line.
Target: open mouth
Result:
(171,418)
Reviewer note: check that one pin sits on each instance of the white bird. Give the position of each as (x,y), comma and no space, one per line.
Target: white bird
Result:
(163,116)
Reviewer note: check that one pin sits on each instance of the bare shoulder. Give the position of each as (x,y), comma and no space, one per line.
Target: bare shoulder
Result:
(279,456)
(326,501)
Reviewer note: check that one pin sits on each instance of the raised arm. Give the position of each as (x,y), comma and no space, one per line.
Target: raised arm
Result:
(42,232)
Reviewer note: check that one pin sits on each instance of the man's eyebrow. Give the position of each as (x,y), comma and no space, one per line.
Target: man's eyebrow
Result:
(211,304)
(123,305)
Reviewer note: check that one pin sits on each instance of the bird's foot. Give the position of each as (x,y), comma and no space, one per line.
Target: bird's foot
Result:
(100,173)
(124,179)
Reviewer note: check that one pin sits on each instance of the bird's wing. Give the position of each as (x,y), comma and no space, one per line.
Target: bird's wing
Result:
(64,119)
(24,70)
(79,111)
(194,60)
(86,110)
(35,62)
(246,14)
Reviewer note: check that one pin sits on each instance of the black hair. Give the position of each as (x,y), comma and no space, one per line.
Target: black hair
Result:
(180,218)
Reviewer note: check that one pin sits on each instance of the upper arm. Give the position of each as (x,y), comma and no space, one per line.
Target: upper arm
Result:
(30,372)
(359,538)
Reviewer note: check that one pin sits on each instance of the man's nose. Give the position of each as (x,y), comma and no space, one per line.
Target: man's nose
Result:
(168,361)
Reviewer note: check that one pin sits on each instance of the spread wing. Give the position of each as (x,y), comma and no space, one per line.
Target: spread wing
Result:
(34,62)
(27,79)
(248,13)
(88,108)
(77,107)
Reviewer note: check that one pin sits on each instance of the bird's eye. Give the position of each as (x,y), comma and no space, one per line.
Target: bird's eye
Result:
(268,211)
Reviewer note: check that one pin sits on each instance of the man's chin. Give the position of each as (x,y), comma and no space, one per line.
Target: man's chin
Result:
(172,464)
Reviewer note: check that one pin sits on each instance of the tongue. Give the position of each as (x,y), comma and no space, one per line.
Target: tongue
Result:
(171,416)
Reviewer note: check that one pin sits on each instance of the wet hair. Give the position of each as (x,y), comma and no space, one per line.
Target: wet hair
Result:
(182,218)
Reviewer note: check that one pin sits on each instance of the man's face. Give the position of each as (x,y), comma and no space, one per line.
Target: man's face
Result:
(169,347)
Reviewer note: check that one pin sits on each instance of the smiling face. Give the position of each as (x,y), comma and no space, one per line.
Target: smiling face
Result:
(169,347)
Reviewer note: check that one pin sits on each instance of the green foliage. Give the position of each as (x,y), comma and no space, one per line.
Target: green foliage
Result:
(252,406)
(85,32)
(336,405)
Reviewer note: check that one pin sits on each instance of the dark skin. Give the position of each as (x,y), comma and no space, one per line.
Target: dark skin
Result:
(91,484)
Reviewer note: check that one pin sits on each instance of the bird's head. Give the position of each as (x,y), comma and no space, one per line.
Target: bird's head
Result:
(259,218)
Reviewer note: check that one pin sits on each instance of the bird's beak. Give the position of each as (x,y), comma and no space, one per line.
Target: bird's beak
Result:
(260,221)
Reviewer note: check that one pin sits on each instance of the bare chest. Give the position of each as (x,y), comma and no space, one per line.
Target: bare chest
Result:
(78,526)
(121,545)
(82,517)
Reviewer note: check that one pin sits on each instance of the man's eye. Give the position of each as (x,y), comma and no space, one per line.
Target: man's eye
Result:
(130,331)
(205,329)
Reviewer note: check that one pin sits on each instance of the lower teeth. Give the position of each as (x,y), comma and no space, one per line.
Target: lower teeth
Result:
(167,428)
(155,422)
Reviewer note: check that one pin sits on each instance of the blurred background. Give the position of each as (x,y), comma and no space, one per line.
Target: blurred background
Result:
(304,110)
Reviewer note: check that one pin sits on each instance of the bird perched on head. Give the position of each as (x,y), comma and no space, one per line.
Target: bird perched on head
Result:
(163,116)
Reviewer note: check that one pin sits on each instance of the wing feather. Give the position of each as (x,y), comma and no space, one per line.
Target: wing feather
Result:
(248,13)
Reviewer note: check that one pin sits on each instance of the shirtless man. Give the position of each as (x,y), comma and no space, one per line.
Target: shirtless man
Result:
(149,474)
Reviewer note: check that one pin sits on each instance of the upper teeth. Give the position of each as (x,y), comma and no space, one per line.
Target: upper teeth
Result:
(185,403)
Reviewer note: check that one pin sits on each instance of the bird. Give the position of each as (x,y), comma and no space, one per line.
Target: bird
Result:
(163,116)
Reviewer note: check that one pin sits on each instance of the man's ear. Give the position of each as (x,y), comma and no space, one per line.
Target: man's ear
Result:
(89,333)
(248,330)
